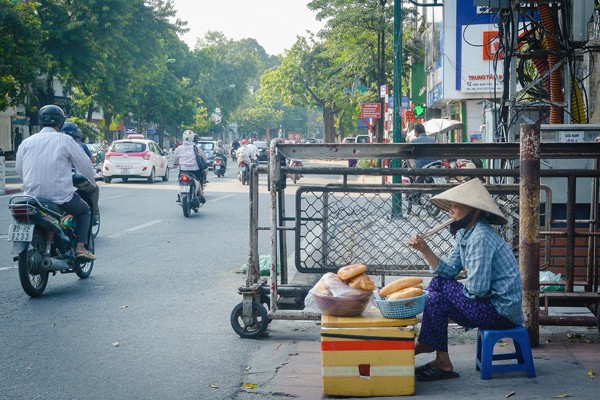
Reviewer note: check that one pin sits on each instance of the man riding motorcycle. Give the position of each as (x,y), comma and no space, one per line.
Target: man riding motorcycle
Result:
(185,157)
(44,163)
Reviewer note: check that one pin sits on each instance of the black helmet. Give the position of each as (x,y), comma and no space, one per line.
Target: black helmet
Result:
(71,129)
(51,115)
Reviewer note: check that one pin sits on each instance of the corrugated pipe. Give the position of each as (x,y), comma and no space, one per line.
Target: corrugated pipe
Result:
(556,81)
(578,112)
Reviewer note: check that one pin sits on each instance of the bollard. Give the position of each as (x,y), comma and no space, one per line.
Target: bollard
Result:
(529,227)
(2,176)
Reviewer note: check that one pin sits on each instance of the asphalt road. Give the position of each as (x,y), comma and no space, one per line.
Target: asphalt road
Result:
(152,321)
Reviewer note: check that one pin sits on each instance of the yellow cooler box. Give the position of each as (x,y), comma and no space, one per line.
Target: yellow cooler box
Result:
(368,355)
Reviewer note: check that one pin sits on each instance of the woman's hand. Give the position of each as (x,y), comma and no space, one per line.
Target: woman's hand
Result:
(419,244)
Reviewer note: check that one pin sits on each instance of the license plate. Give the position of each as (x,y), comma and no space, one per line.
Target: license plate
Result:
(217,167)
(439,180)
(125,171)
(20,232)
(184,189)
(241,168)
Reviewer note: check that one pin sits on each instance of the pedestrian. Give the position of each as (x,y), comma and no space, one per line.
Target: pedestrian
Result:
(490,296)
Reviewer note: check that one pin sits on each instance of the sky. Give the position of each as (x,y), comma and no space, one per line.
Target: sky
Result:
(273,23)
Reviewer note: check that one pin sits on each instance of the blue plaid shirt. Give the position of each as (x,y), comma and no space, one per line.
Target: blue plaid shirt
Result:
(492,270)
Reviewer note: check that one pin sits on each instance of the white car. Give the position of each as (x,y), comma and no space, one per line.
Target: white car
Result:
(135,158)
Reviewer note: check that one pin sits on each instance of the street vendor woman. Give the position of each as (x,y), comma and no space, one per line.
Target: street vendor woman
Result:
(489,298)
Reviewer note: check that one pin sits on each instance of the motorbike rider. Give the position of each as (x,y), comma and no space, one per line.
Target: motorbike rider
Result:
(185,157)
(254,152)
(220,151)
(243,153)
(71,129)
(422,137)
(44,164)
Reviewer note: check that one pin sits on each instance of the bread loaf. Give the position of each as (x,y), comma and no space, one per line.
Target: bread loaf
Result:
(399,284)
(362,281)
(405,293)
(350,271)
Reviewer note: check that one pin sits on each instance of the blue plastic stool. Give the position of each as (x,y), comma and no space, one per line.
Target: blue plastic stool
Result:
(487,338)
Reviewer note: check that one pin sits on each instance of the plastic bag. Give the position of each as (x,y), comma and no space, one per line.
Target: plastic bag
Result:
(548,276)
(332,296)
(264,268)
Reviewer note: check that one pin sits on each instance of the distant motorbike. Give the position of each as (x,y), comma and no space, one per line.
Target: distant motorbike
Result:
(243,172)
(220,165)
(43,236)
(295,163)
(233,155)
(189,198)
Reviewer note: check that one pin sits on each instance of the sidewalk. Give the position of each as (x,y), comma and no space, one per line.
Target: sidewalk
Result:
(11,188)
(567,363)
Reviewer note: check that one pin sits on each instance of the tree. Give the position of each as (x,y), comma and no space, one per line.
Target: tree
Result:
(20,39)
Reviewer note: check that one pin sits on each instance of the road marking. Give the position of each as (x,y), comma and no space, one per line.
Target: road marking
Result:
(136,228)
(8,268)
(115,197)
(220,198)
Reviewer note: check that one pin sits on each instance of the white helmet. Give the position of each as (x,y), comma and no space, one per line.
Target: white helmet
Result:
(188,136)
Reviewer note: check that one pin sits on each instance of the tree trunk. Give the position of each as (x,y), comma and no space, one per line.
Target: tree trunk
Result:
(329,122)
(107,123)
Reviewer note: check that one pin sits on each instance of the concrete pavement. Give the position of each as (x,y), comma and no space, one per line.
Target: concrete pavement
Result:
(567,363)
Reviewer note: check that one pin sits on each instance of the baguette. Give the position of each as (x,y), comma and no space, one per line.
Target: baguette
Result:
(399,284)
(363,282)
(405,293)
(350,271)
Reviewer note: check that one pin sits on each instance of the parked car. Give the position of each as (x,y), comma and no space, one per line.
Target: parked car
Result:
(263,147)
(350,139)
(310,140)
(363,139)
(135,158)
(209,147)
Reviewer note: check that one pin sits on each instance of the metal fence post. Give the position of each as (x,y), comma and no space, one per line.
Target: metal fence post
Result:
(529,227)
(2,176)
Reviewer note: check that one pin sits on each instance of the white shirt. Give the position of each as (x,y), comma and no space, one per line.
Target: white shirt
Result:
(254,152)
(243,154)
(185,156)
(44,163)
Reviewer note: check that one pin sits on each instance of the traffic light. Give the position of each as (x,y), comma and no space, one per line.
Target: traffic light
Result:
(419,111)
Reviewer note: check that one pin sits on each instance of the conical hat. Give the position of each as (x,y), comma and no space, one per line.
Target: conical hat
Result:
(471,194)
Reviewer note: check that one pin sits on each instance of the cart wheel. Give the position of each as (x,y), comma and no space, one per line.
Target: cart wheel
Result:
(259,325)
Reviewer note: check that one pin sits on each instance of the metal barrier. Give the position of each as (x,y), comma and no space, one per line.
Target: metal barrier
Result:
(337,224)
(2,176)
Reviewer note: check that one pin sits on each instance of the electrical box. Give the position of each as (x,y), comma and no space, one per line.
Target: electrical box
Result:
(581,13)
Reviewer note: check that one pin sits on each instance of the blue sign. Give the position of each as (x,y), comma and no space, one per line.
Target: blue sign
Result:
(360,124)
(151,131)
(405,102)
(391,102)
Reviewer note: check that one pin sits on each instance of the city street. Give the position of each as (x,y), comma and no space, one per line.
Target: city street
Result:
(152,321)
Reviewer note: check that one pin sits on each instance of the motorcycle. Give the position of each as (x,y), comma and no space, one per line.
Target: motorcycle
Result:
(295,163)
(233,155)
(243,172)
(189,198)
(43,237)
(416,200)
(220,165)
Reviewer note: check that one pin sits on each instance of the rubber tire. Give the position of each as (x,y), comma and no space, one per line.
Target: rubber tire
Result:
(95,228)
(186,204)
(125,180)
(260,321)
(33,289)
(85,271)
(165,177)
(152,177)
(107,179)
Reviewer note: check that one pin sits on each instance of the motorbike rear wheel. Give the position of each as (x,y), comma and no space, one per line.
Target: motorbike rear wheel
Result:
(96,225)
(33,278)
(84,270)
(186,203)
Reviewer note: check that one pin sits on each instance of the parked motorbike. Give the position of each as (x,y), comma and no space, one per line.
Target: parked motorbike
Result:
(295,163)
(43,236)
(220,165)
(416,201)
(243,172)
(189,198)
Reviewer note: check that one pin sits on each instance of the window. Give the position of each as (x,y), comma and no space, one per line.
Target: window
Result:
(128,147)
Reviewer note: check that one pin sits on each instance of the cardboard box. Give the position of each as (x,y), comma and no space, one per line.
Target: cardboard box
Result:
(368,355)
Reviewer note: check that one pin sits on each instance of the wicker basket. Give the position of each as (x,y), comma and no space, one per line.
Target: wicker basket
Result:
(404,308)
